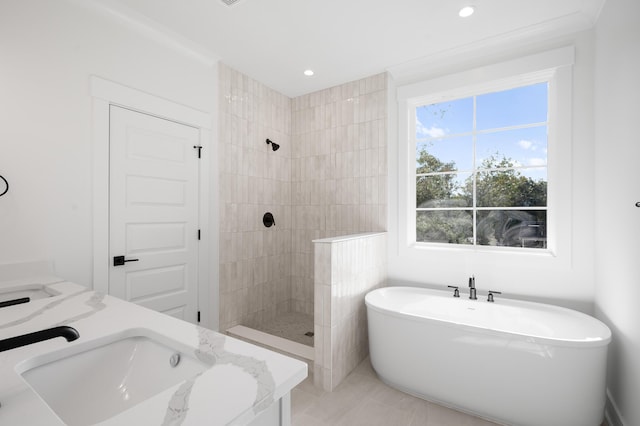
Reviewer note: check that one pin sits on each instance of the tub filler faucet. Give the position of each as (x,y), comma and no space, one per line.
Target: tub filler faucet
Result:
(472,288)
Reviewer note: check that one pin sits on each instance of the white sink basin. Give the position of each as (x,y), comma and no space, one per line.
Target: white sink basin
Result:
(32,291)
(85,385)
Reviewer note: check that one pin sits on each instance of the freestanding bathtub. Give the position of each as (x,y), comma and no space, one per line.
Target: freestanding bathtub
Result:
(512,362)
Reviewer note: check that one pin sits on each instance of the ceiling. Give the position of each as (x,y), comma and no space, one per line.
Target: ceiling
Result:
(274,41)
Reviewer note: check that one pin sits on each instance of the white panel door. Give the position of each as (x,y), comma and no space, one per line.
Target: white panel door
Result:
(153,212)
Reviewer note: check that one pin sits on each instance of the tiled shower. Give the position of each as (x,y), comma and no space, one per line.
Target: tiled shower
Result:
(327,179)
(255,261)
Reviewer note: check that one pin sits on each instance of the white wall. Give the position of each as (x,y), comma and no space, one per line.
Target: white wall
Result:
(48,50)
(617,147)
(566,280)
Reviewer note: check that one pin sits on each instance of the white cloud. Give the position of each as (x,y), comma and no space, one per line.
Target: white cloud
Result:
(432,132)
(525,144)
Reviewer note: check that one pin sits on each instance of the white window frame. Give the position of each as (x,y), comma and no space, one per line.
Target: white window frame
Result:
(553,66)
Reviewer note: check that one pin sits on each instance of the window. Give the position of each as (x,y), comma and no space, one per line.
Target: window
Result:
(484,164)
(481,168)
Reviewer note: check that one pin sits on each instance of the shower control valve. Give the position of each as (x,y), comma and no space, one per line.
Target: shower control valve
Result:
(456,292)
(491,293)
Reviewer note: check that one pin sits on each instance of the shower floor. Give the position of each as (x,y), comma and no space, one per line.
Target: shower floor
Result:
(291,326)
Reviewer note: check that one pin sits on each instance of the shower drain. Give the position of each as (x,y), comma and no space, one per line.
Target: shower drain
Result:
(309,333)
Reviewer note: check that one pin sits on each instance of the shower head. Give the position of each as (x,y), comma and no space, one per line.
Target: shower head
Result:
(274,145)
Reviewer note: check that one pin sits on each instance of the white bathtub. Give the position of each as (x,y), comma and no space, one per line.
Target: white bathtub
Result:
(513,362)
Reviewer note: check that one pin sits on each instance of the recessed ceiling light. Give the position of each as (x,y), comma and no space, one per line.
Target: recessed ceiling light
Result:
(466,11)
(308,73)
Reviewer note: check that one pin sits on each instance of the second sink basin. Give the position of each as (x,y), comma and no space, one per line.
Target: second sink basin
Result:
(32,291)
(85,385)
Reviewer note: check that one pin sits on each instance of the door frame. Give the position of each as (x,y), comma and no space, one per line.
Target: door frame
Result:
(105,93)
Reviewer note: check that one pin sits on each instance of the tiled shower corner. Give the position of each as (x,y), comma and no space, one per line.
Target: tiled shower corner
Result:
(328,178)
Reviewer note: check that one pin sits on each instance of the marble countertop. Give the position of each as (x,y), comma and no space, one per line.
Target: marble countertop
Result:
(242,381)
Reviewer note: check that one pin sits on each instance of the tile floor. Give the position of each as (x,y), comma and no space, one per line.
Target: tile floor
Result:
(363,400)
(292,326)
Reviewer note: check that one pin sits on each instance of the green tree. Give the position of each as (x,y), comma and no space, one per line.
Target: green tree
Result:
(448,226)
(498,184)
(440,190)
(432,190)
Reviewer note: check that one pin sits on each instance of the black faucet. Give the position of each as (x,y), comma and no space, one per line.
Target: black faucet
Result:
(65,331)
(13,302)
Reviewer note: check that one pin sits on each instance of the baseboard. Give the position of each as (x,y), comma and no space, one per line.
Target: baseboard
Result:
(611,412)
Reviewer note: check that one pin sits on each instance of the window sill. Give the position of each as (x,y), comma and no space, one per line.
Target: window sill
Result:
(460,248)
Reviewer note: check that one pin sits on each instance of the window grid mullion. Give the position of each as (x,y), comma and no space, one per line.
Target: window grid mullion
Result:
(471,171)
(474,171)
(437,209)
(485,131)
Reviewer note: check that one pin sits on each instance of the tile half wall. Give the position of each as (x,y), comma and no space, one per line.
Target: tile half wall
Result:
(346,269)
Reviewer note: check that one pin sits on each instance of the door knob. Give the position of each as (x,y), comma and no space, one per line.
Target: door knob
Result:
(120,260)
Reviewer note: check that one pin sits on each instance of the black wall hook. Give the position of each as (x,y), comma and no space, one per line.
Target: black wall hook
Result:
(6,184)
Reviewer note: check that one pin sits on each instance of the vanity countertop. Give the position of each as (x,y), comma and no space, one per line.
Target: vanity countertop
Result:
(243,380)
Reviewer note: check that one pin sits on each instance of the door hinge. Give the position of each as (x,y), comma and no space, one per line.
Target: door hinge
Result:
(198,234)
(199,148)
(198,316)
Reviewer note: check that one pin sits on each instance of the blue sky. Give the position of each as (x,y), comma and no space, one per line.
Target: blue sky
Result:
(438,128)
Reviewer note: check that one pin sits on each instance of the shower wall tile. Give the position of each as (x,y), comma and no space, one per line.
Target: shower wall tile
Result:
(338,168)
(327,179)
(346,269)
(255,268)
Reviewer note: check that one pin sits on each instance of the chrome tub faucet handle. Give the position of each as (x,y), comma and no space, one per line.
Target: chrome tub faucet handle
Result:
(456,292)
(491,293)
